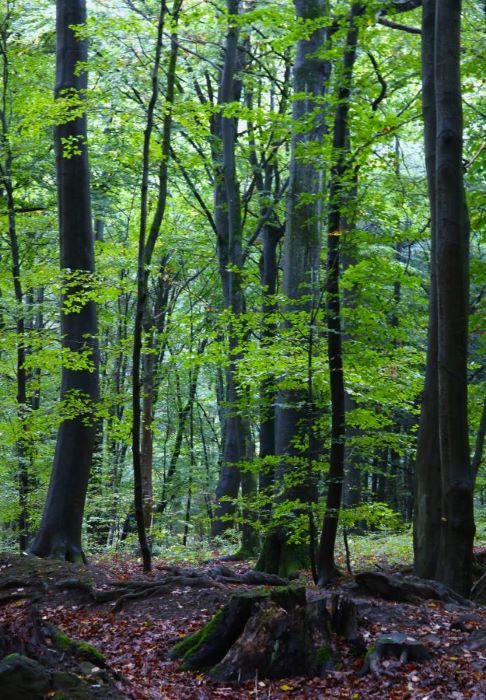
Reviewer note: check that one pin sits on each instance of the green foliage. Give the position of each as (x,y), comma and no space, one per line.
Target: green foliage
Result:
(384,281)
(376,516)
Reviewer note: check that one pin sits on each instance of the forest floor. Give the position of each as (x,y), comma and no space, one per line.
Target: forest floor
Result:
(137,636)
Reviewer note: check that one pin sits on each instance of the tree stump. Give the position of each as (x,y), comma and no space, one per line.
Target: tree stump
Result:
(273,633)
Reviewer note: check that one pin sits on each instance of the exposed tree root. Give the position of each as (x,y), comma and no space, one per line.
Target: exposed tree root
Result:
(478,591)
(395,645)
(406,588)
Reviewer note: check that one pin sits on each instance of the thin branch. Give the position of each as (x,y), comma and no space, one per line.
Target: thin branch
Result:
(398,25)
(381,80)
(194,191)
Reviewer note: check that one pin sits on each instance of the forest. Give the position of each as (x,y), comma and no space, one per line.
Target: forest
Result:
(242,349)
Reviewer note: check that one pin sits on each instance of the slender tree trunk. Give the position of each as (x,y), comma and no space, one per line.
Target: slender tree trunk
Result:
(338,202)
(229,232)
(184,414)
(146,246)
(59,534)
(192,466)
(271,235)
(20,322)
(353,461)
(457,520)
(250,541)
(154,326)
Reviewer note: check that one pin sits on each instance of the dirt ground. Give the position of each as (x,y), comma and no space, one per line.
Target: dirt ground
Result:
(136,638)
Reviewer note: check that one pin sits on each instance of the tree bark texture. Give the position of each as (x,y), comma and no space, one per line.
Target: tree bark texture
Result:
(427,509)
(338,203)
(227,219)
(448,556)
(154,325)
(146,245)
(301,262)
(59,534)
(457,531)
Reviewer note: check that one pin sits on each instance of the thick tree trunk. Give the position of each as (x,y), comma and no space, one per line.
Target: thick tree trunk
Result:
(59,534)
(457,531)
(427,507)
(300,284)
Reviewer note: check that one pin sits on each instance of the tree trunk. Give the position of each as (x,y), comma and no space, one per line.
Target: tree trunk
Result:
(146,245)
(59,534)
(427,507)
(250,541)
(300,285)
(271,235)
(21,303)
(457,531)
(184,413)
(338,200)
(229,241)
(479,446)
(154,326)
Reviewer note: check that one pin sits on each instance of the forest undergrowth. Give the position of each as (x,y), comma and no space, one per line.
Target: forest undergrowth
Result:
(135,635)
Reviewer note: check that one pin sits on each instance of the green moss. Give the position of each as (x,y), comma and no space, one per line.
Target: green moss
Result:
(288,596)
(285,596)
(371,650)
(88,651)
(192,643)
(293,558)
(323,655)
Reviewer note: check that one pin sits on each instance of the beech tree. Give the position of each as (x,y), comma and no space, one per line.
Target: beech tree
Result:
(301,273)
(227,219)
(59,534)
(244,373)
(448,554)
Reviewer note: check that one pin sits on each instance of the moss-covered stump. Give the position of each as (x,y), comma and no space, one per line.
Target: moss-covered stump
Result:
(269,633)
